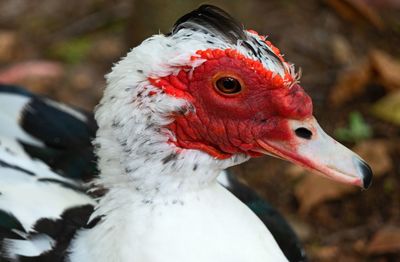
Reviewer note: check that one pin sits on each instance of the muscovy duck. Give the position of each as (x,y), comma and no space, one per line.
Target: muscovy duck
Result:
(177,110)
(60,136)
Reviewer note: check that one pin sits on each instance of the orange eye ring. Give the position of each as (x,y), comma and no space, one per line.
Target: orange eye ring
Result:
(227,84)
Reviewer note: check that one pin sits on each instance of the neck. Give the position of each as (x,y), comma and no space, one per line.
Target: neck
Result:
(137,155)
(191,226)
(152,167)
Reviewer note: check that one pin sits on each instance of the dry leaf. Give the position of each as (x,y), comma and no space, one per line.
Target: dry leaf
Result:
(303,230)
(388,108)
(379,67)
(357,11)
(294,171)
(351,83)
(8,45)
(387,69)
(394,4)
(342,50)
(326,253)
(377,154)
(386,240)
(359,245)
(313,190)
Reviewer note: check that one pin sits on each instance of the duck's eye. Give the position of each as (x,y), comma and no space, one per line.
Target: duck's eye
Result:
(228,85)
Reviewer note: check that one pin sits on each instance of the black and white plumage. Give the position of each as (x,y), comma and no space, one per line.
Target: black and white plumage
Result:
(66,133)
(41,207)
(58,134)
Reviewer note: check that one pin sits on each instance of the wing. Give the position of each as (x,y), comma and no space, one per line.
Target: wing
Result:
(43,145)
(39,209)
(53,132)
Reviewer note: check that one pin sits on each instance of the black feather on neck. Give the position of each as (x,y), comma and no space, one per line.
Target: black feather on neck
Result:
(213,20)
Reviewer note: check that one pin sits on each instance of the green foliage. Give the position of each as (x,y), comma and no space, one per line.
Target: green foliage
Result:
(356,131)
(72,51)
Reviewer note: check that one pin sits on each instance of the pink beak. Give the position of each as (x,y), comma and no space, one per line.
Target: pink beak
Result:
(311,148)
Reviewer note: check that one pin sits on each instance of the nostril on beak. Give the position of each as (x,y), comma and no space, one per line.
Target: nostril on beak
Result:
(366,173)
(303,133)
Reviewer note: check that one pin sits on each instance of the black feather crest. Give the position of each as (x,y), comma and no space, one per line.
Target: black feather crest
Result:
(216,22)
(213,20)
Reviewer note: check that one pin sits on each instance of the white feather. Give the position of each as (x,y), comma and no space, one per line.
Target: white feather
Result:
(33,247)
(12,106)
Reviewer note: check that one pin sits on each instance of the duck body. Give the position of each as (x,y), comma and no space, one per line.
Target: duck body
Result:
(151,228)
(141,227)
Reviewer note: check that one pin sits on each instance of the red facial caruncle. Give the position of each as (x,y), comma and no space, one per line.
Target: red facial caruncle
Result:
(246,100)
(254,104)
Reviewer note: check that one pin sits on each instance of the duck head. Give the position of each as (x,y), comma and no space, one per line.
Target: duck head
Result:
(206,96)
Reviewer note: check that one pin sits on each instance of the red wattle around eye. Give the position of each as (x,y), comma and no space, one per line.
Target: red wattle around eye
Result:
(235,102)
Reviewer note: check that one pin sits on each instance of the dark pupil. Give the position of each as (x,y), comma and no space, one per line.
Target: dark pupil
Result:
(228,85)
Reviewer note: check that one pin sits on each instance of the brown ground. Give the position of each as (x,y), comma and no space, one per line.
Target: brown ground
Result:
(327,39)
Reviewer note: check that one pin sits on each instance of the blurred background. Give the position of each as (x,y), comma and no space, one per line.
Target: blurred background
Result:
(349,53)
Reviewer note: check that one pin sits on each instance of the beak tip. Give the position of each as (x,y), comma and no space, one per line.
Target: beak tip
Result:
(366,173)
